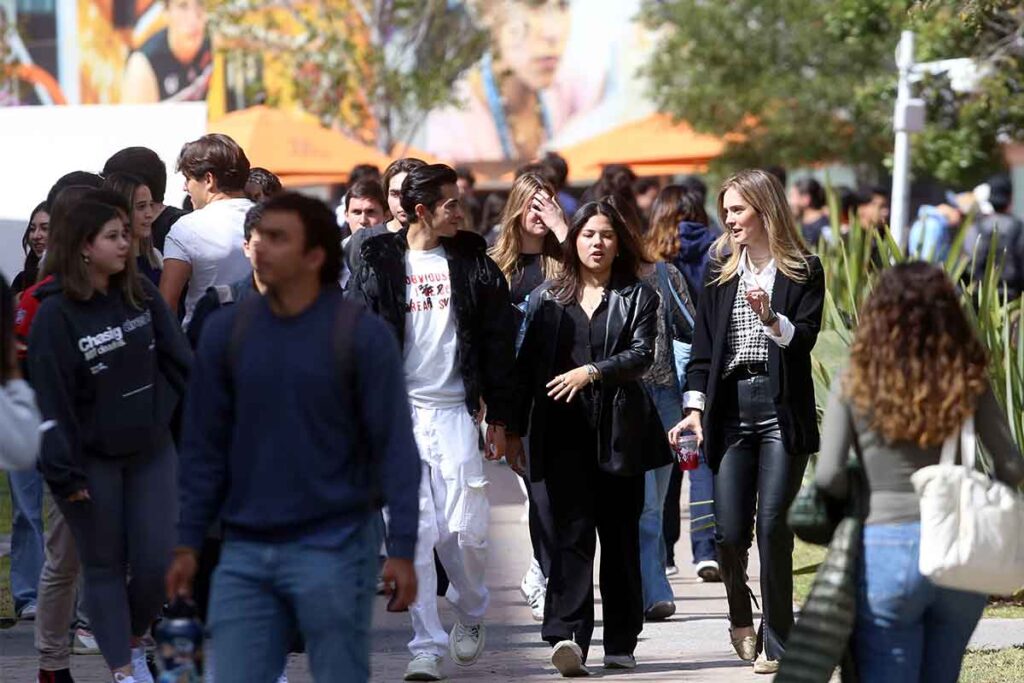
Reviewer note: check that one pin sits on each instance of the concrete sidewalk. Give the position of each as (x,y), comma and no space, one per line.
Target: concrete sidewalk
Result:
(693,645)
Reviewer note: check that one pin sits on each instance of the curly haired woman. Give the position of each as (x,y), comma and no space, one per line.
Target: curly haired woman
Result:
(917,372)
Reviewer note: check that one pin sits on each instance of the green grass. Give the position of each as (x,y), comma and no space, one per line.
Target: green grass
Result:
(993,666)
(807,557)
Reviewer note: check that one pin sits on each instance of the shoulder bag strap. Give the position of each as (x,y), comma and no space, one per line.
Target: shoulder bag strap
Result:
(666,285)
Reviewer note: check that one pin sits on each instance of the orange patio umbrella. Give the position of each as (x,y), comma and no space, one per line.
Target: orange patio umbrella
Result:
(295,146)
(651,146)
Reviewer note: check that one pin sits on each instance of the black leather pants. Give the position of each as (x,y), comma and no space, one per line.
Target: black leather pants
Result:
(756,477)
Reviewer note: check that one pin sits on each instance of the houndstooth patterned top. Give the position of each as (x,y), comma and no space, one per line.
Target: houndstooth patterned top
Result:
(747,342)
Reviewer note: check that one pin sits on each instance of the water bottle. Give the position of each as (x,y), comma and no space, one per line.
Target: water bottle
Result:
(179,643)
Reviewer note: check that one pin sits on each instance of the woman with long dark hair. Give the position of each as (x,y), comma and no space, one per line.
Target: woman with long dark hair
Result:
(139,197)
(108,363)
(750,398)
(34,244)
(594,431)
(917,372)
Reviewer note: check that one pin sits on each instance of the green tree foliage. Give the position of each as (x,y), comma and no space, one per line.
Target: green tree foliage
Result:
(804,81)
(372,68)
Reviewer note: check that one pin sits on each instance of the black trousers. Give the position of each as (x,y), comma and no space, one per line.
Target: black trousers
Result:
(542,526)
(757,479)
(587,503)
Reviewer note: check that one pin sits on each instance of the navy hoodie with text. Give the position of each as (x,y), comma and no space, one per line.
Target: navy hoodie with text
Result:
(107,377)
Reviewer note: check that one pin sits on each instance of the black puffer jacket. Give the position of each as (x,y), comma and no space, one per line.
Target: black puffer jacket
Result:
(484,319)
(632,439)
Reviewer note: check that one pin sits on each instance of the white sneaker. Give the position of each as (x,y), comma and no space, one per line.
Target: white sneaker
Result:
(122,678)
(619,662)
(671,570)
(28,612)
(84,643)
(283,678)
(140,670)
(536,603)
(533,580)
(567,657)
(424,667)
(465,643)
(708,572)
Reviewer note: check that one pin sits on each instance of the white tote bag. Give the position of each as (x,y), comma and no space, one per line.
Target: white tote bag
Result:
(972,527)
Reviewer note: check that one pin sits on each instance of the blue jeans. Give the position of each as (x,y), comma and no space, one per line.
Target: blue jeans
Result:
(26,536)
(652,540)
(908,629)
(264,592)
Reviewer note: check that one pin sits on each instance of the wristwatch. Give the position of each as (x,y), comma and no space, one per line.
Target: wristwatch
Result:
(773,318)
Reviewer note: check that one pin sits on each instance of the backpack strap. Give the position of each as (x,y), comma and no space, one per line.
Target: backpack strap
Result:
(225,294)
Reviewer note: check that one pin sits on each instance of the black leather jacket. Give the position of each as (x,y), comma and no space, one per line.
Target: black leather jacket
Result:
(632,437)
(484,318)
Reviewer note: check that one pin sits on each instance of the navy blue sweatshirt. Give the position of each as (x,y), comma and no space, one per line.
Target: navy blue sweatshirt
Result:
(269,444)
(108,375)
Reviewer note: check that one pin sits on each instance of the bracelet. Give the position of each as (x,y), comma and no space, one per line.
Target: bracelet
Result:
(593,373)
(773,318)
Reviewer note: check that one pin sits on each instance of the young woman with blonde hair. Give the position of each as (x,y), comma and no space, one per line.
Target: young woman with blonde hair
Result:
(750,398)
(532,229)
(528,252)
(917,372)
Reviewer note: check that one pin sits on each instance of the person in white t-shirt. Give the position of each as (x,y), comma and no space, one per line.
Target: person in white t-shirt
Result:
(204,248)
(449,306)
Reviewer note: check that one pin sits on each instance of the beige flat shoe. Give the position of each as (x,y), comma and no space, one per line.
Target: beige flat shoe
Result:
(763,665)
(745,646)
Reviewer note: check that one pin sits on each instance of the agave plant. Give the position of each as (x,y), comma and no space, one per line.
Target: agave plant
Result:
(851,268)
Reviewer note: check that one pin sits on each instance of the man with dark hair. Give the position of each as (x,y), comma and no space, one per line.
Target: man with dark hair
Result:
(559,178)
(204,248)
(449,307)
(777,171)
(261,184)
(147,164)
(646,191)
(298,372)
(364,208)
(1008,232)
(471,206)
(807,200)
(391,184)
(873,207)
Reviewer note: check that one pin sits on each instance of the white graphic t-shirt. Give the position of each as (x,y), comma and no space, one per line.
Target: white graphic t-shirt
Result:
(431,342)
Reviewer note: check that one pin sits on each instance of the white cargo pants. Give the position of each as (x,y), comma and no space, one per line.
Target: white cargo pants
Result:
(454,515)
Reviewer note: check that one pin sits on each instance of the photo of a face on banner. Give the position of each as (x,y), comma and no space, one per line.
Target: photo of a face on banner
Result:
(515,100)
(173,61)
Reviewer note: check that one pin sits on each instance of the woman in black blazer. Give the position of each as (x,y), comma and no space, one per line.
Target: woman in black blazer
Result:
(750,398)
(594,432)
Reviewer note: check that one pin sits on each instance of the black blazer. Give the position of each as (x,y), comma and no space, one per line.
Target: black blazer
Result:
(789,369)
(632,437)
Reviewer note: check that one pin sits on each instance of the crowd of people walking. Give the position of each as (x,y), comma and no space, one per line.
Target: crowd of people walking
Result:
(275,409)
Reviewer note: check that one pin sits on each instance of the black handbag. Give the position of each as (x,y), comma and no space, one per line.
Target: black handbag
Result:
(813,516)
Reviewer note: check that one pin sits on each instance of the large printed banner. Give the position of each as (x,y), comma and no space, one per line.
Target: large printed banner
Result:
(557,72)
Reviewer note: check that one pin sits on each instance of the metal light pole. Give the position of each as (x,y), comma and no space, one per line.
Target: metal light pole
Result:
(908,118)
